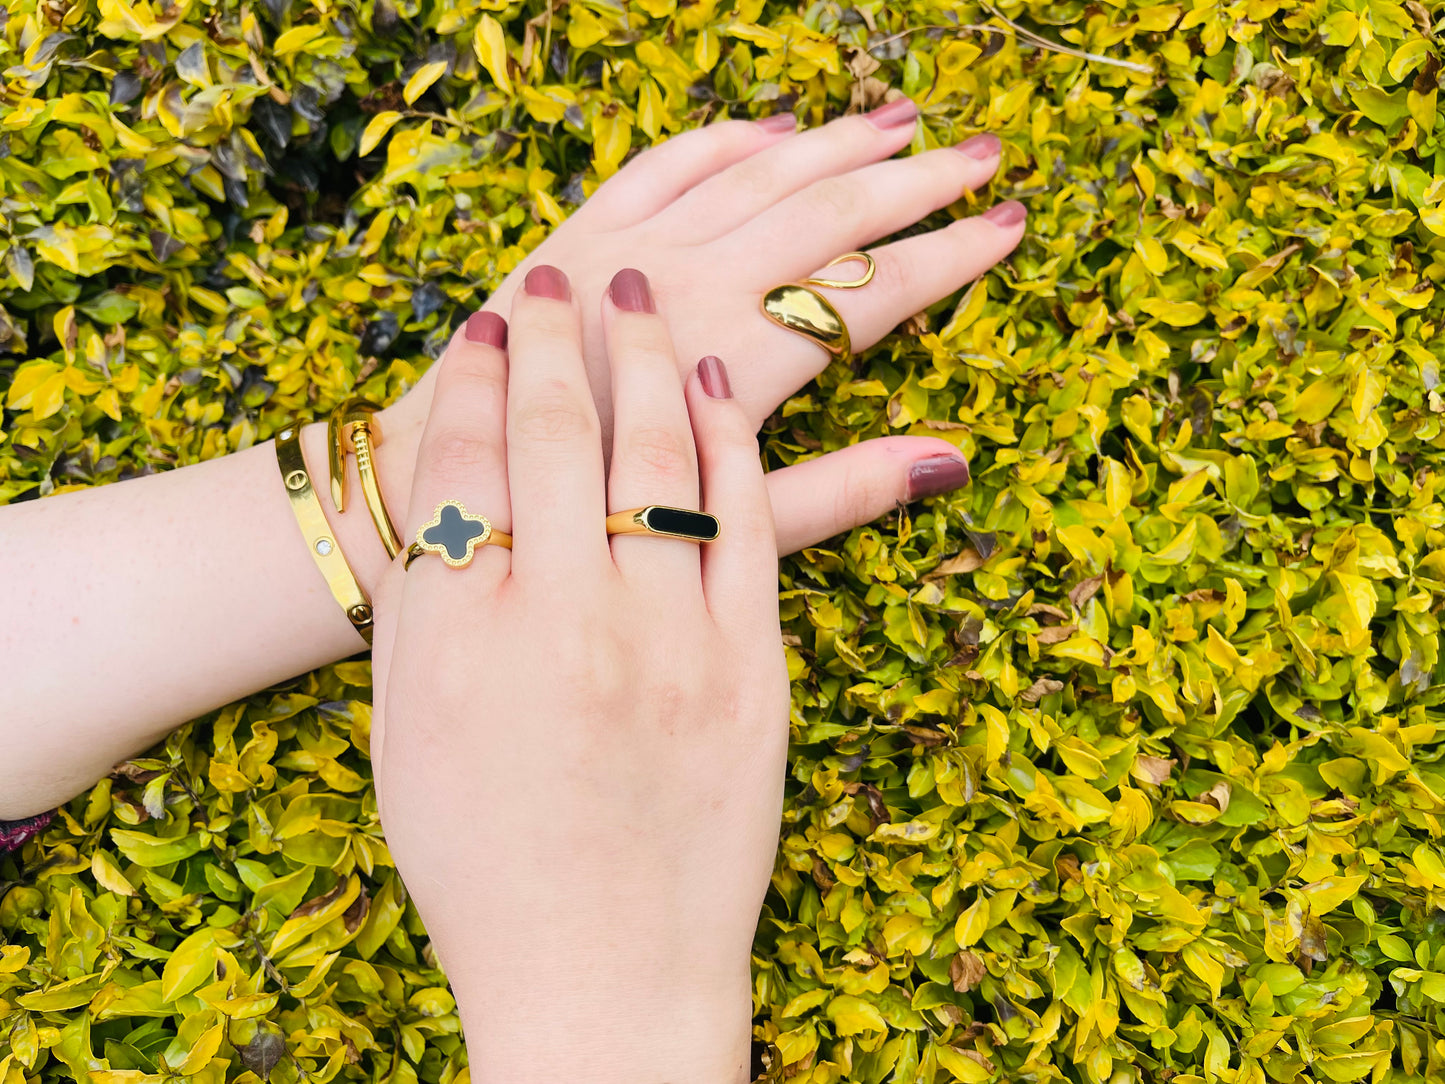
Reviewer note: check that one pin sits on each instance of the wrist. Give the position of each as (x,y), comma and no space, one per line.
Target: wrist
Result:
(604,1033)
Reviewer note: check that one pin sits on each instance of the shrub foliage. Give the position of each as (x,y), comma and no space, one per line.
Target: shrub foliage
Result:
(1120,766)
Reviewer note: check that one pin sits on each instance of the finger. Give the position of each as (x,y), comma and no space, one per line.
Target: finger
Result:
(844,212)
(911,275)
(823,497)
(386,603)
(660,174)
(554,442)
(653,459)
(740,568)
(731,197)
(463,455)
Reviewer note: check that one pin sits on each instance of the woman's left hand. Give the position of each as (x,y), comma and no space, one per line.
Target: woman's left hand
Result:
(717,216)
(580,742)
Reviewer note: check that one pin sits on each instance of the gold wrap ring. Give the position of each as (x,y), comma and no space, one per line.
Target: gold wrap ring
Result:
(353,428)
(455,535)
(798,306)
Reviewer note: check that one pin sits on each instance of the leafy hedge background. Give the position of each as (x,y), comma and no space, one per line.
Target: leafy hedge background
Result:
(1121,766)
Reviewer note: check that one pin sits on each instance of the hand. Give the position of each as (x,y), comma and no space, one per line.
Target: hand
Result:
(719,215)
(580,745)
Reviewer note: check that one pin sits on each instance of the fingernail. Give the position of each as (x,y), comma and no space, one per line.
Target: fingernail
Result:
(1006,214)
(631,291)
(713,375)
(778,122)
(895,114)
(980,147)
(487,328)
(937,474)
(546,281)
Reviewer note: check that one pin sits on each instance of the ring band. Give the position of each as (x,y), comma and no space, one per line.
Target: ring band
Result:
(799,307)
(454,535)
(352,428)
(666,522)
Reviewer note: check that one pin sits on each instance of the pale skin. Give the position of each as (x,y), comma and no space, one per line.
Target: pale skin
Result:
(162,598)
(630,735)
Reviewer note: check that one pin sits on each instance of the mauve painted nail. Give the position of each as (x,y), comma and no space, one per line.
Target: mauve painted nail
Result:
(936,474)
(1007,214)
(778,122)
(895,114)
(631,291)
(982,147)
(487,328)
(713,375)
(546,281)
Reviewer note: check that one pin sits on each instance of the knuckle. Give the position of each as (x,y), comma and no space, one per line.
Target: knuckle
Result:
(457,455)
(553,416)
(754,178)
(862,497)
(549,324)
(897,277)
(662,452)
(837,197)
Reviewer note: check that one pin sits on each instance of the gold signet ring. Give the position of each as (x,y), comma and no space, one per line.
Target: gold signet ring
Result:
(666,522)
(799,307)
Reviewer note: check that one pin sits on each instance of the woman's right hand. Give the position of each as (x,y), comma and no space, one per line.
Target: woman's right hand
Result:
(580,743)
(717,216)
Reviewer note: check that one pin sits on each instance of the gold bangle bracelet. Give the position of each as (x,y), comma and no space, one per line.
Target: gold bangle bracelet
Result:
(353,428)
(325,550)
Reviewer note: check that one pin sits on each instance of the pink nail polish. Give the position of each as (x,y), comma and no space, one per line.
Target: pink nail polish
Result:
(631,291)
(935,475)
(546,281)
(895,114)
(1006,215)
(487,328)
(713,375)
(980,147)
(778,122)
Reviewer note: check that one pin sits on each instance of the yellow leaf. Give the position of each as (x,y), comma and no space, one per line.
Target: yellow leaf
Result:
(611,140)
(421,79)
(1324,896)
(191,964)
(491,48)
(972,923)
(854,1016)
(378,126)
(297,38)
(108,875)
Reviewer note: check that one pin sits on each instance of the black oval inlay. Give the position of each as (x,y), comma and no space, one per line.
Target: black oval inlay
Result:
(698,525)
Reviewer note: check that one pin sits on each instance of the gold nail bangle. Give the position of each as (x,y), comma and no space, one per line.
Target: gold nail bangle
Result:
(325,550)
(353,427)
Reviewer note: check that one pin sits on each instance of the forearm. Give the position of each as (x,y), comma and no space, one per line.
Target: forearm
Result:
(134,607)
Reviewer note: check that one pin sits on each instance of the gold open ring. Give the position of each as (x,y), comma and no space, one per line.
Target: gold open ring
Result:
(666,522)
(799,307)
(454,534)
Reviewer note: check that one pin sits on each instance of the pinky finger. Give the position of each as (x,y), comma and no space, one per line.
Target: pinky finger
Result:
(740,569)
(822,497)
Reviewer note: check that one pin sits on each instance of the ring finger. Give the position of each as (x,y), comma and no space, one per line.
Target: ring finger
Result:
(911,275)
(653,457)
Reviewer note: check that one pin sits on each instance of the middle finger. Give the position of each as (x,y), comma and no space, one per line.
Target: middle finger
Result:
(654,460)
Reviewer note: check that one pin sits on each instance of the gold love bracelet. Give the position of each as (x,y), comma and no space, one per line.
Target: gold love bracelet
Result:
(325,550)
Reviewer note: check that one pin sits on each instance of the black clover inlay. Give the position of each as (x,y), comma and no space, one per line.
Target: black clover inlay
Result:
(454,532)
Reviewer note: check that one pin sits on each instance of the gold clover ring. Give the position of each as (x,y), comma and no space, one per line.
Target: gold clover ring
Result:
(799,307)
(454,534)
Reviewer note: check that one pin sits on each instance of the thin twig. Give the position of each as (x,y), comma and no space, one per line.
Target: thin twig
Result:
(1026,35)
